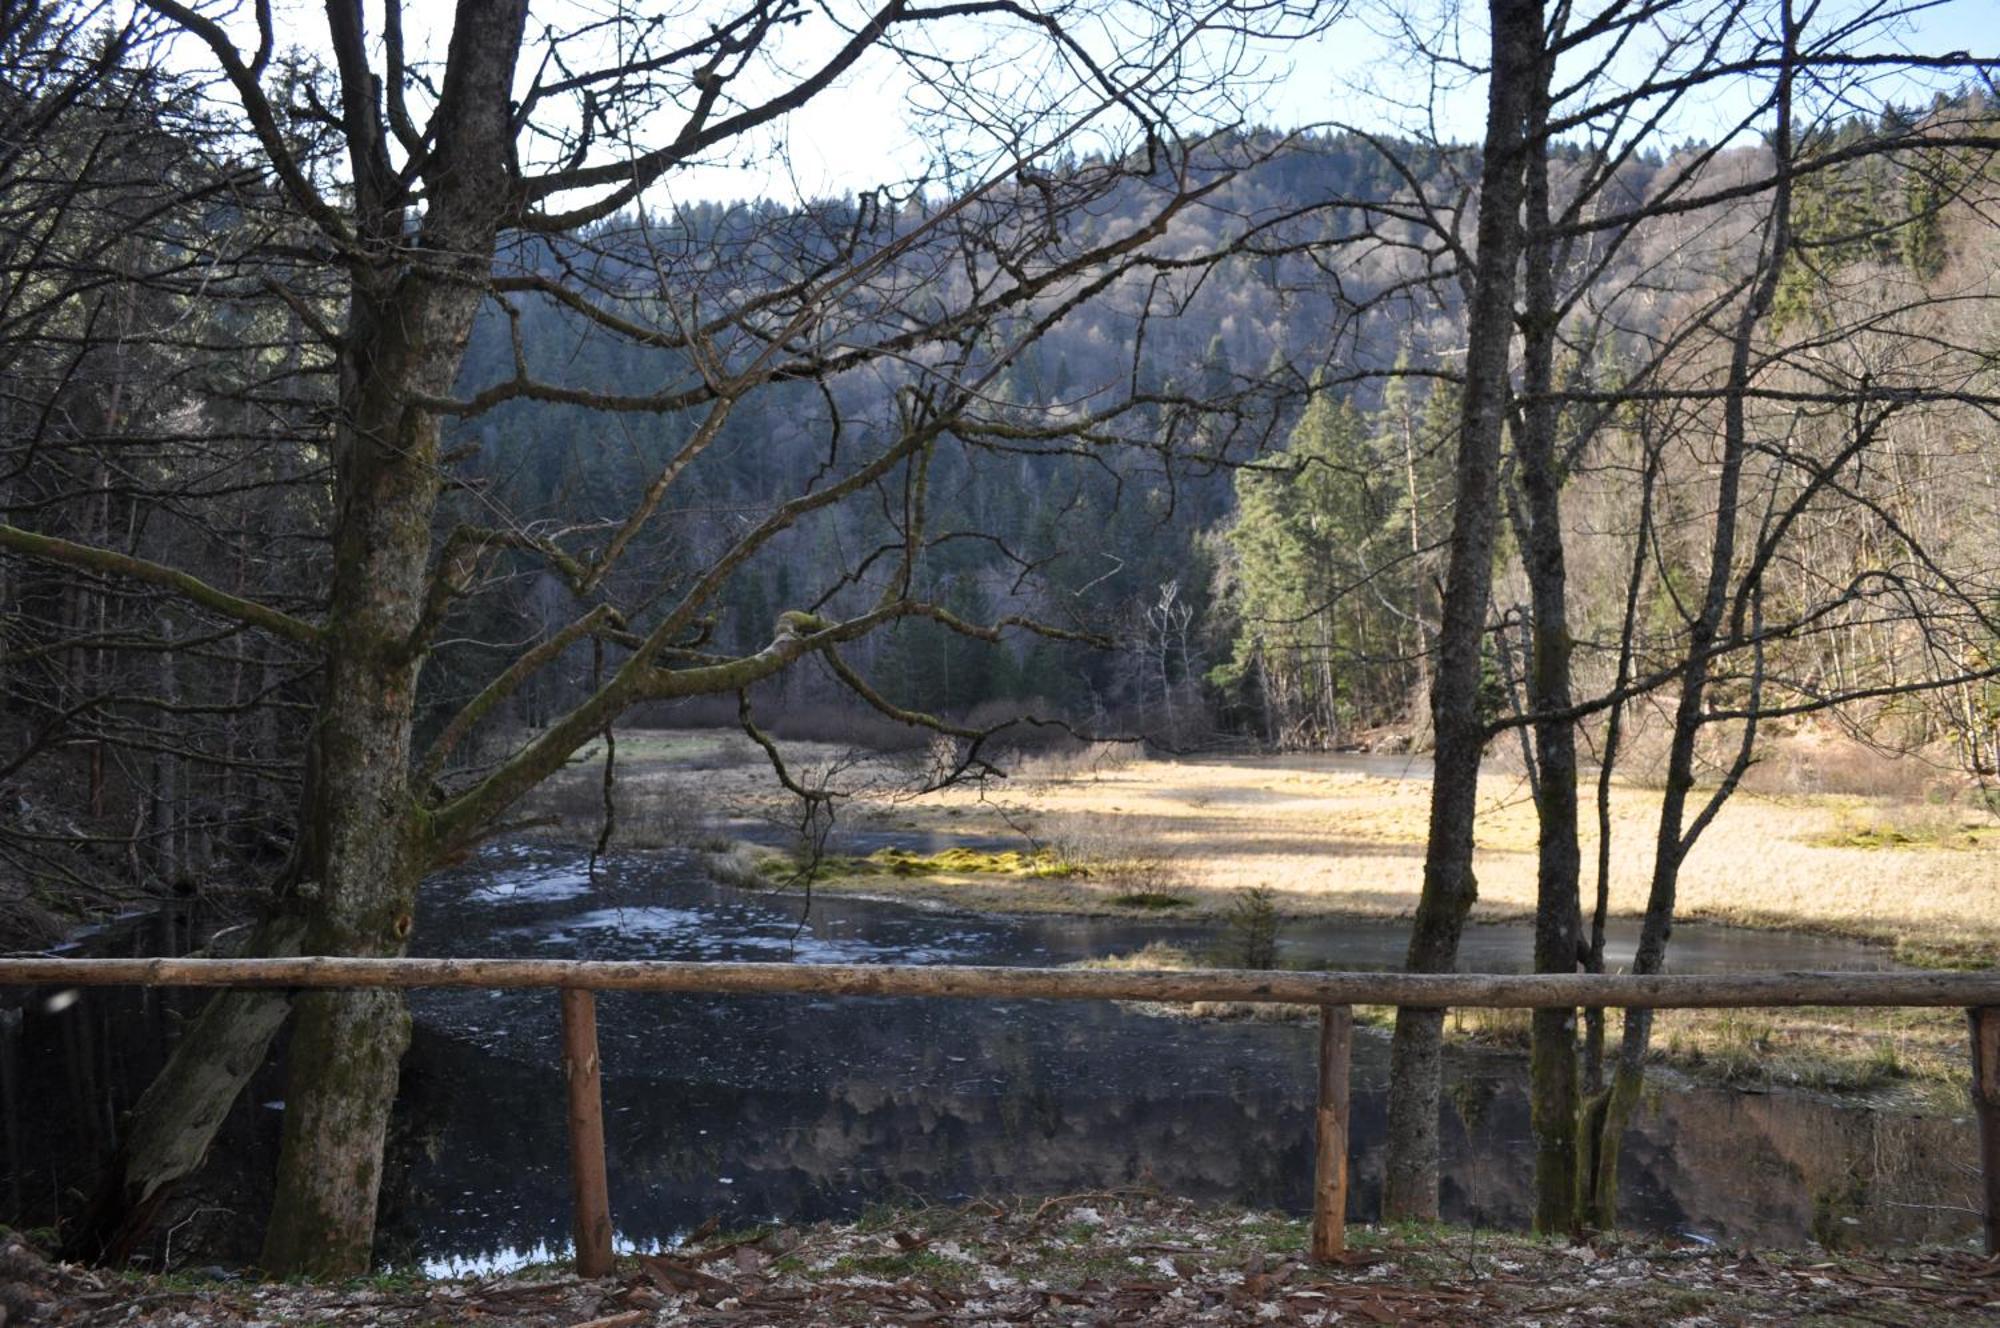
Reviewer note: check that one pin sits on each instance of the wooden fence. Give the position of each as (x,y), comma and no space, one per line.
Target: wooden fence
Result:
(1333,993)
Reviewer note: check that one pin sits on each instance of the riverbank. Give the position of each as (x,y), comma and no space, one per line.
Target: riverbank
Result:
(1918,871)
(1912,1058)
(1128,1257)
(1104,834)
(1344,837)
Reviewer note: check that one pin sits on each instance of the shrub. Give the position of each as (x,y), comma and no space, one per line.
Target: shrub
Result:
(1252,928)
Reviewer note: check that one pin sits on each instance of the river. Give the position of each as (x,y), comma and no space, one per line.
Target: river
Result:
(801,1108)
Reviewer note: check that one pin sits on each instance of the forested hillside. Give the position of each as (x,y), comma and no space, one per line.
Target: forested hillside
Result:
(1267,572)
(1134,542)
(1282,590)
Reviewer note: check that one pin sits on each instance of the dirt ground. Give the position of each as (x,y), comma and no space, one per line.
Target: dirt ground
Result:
(1086,1259)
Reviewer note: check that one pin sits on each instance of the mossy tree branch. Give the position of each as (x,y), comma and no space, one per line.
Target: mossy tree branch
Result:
(640,680)
(506,685)
(91,558)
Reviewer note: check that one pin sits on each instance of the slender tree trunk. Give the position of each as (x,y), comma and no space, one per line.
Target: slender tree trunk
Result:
(1674,839)
(1591,1133)
(1410,1184)
(97,672)
(1266,701)
(163,824)
(1558,898)
(1329,713)
(1416,559)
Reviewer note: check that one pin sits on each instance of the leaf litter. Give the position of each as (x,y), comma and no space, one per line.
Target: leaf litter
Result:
(1125,1258)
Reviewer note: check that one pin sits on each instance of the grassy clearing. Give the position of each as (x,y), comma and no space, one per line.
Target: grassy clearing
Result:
(1920,876)
(1915,1057)
(1127,1257)
(1917,872)
(1825,1050)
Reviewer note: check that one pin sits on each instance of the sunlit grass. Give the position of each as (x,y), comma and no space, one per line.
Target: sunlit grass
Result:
(1916,875)
(1910,873)
(1921,878)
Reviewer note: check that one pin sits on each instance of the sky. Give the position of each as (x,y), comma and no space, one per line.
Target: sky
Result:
(1354,72)
(869,129)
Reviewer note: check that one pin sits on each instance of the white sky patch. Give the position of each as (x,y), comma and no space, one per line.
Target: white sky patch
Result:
(957,93)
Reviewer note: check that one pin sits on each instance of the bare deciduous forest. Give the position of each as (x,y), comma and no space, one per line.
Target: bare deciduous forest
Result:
(397,424)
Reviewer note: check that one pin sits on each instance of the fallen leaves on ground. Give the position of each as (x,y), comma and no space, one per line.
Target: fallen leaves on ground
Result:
(1102,1259)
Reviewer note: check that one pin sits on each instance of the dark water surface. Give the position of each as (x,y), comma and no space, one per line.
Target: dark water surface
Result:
(803,1108)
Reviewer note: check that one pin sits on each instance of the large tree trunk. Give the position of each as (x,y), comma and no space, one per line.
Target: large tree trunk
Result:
(365,831)
(1410,1185)
(366,837)
(406,340)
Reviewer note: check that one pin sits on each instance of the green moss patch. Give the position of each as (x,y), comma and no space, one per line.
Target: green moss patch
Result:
(950,862)
(1910,834)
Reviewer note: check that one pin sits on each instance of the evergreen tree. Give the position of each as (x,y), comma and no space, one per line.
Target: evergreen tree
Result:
(1309,543)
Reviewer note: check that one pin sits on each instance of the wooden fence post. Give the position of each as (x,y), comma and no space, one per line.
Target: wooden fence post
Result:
(588,1190)
(1336,1035)
(1985,1023)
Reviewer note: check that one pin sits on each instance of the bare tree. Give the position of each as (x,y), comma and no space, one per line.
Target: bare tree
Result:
(436,190)
(1571,227)
(1516,69)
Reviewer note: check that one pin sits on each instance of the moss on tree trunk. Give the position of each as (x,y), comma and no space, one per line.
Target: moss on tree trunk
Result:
(346,1050)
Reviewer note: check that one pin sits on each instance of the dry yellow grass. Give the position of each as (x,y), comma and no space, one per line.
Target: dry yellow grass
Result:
(1329,838)
(1916,1055)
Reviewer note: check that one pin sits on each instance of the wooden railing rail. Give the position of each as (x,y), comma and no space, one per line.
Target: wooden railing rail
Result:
(1334,993)
(1418,990)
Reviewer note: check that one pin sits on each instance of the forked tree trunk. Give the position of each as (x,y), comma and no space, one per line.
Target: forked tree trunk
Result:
(1596,1101)
(365,832)
(1610,1117)
(1410,1183)
(406,341)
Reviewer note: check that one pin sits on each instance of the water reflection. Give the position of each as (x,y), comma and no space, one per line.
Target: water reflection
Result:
(750,1107)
